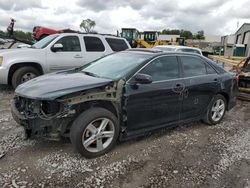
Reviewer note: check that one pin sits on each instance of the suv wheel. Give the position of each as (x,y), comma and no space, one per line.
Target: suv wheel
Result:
(24,74)
(94,132)
(216,110)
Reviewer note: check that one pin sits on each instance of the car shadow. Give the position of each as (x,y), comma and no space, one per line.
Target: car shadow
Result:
(6,88)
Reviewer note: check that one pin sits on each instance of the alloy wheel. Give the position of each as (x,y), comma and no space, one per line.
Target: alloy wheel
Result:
(98,135)
(218,110)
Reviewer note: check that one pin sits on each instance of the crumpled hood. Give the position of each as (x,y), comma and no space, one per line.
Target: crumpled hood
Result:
(52,86)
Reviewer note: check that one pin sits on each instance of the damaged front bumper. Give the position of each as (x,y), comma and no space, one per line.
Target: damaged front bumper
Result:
(36,121)
(53,118)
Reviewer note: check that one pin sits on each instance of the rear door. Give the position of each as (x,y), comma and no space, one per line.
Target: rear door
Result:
(69,56)
(151,105)
(201,84)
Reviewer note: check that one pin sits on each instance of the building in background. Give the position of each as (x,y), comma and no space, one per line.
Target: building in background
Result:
(228,44)
(168,38)
(242,39)
(237,44)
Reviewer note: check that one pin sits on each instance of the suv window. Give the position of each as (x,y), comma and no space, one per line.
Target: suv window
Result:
(162,68)
(70,44)
(93,44)
(117,44)
(189,50)
(193,66)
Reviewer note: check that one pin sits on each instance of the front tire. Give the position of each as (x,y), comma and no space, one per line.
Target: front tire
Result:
(216,110)
(23,74)
(94,132)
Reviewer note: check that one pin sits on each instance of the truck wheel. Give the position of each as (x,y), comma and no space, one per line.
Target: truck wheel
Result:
(94,132)
(23,74)
(216,110)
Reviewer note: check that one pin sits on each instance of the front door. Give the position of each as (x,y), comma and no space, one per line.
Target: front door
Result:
(158,103)
(70,56)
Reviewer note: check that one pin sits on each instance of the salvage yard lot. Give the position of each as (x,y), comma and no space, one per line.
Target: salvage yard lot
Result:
(193,155)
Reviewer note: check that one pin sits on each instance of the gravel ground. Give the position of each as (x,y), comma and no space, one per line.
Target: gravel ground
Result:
(193,155)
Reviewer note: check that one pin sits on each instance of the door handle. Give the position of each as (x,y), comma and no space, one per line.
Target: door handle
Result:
(77,56)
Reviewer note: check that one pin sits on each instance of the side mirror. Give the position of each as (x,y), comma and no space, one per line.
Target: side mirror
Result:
(56,47)
(143,79)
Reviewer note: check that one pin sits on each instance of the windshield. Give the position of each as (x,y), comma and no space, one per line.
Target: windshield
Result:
(115,66)
(165,48)
(44,42)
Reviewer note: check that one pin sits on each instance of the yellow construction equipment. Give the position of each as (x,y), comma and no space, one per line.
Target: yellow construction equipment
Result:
(147,39)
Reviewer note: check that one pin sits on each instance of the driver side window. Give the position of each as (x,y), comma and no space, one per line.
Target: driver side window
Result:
(70,44)
(162,68)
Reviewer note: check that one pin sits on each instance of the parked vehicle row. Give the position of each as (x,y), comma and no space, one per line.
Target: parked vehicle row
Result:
(122,95)
(55,52)
(173,48)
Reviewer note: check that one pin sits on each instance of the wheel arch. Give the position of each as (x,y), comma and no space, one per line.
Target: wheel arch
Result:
(16,66)
(112,107)
(224,94)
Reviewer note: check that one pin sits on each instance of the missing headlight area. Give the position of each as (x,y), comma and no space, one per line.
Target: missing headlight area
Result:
(32,109)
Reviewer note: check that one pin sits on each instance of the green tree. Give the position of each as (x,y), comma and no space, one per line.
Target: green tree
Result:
(186,34)
(23,35)
(171,32)
(200,35)
(87,25)
(2,33)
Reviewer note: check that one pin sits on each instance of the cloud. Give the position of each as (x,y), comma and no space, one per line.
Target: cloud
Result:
(100,5)
(213,16)
(26,4)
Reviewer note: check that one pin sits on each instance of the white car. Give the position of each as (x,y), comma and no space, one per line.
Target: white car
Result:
(178,49)
(2,41)
(54,53)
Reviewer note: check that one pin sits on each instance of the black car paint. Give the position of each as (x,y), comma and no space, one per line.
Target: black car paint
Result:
(55,85)
(144,106)
(152,104)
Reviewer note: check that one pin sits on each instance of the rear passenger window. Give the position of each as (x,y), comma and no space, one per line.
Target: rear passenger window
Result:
(193,66)
(93,44)
(163,68)
(117,44)
(210,70)
(70,44)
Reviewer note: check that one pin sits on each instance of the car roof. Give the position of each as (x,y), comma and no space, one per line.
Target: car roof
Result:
(177,47)
(157,52)
(89,34)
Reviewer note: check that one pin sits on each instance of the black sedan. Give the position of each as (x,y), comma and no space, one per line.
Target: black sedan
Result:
(123,95)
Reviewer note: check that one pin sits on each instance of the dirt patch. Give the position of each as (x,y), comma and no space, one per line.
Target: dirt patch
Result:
(193,155)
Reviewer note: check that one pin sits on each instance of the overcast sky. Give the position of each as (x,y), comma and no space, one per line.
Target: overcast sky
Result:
(215,17)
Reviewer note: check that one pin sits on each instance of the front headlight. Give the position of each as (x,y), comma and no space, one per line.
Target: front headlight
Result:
(1,60)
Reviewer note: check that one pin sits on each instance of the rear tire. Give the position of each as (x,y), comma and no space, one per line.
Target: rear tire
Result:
(23,74)
(86,132)
(216,110)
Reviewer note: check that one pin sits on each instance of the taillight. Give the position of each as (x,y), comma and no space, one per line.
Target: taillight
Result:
(238,79)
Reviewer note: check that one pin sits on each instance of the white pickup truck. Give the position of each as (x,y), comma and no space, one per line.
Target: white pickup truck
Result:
(54,53)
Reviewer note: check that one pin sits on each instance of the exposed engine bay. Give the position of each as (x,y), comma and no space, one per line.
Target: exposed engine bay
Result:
(52,118)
